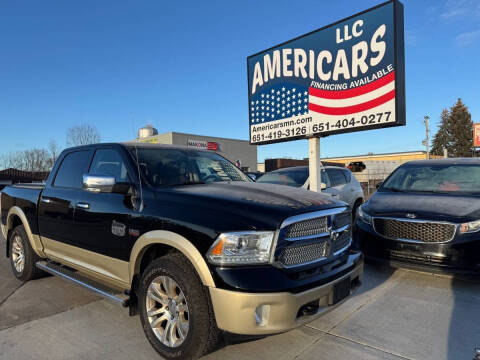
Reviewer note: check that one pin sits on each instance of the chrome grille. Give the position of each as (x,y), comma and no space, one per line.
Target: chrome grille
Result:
(307,228)
(300,254)
(422,231)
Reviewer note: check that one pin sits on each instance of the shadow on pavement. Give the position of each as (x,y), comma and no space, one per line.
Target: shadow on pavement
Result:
(464,330)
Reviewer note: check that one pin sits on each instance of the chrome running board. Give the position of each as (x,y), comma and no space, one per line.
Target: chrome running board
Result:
(76,278)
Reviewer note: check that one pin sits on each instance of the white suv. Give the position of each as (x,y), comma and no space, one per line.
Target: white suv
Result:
(336,181)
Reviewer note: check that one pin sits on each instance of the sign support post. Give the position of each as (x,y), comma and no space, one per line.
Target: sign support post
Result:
(314,164)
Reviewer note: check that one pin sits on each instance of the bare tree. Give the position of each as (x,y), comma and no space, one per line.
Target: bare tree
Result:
(82,135)
(54,151)
(28,160)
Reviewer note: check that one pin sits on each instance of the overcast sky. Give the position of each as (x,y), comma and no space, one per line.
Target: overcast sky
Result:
(181,66)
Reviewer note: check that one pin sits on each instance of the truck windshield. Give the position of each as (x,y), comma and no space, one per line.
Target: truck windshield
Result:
(168,167)
(448,178)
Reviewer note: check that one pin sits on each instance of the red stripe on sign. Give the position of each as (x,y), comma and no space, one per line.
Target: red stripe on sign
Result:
(354,108)
(345,94)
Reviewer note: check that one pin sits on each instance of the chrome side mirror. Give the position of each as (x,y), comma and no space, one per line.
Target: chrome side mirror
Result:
(98,183)
(323,186)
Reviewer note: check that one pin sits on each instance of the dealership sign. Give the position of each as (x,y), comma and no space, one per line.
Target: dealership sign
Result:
(204,145)
(348,76)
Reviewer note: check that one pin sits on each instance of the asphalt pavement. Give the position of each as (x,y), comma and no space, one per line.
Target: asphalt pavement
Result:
(397,314)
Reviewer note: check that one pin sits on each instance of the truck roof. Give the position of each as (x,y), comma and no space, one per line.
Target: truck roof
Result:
(140,145)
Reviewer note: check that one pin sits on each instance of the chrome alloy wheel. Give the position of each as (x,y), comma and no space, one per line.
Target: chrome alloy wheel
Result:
(167,311)
(18,254)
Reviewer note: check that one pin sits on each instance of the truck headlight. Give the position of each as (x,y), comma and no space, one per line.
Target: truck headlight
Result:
(246,247)
(470,227)
(362,215)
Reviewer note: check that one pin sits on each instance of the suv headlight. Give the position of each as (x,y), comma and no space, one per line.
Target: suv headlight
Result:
(362,215)
(246,247)
(470,227)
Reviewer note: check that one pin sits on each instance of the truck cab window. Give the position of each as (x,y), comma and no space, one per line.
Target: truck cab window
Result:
(71,171)
(109,162)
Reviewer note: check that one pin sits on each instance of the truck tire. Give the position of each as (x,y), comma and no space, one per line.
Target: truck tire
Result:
(22,256)
(175,309)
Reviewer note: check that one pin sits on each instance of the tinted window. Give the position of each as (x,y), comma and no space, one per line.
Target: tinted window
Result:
(288,177)
(336,177)
(70,173)
(325,179)
(109,162)
(348,175)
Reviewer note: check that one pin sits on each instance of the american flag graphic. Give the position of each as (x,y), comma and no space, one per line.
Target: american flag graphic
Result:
(284,101)
(278,102)
(354,100)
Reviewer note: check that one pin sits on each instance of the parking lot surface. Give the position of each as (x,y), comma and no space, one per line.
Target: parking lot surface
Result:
(397,314)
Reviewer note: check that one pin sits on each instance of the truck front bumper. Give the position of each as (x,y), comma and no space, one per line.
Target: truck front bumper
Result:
(270,313)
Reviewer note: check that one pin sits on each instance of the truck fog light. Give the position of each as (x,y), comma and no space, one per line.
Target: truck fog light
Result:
(262,313)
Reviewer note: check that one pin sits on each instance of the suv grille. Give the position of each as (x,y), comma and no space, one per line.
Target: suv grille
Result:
(428,232)
(307,228)
(300,254)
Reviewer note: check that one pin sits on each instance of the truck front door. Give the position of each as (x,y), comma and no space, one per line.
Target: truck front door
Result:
(102,221)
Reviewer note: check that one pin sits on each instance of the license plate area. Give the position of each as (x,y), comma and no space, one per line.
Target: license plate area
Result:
(341,290)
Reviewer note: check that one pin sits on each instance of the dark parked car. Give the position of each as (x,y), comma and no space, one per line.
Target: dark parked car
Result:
(425,213)
(197,247)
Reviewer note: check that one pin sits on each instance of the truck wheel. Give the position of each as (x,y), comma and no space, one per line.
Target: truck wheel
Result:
(175,309)
(22,256)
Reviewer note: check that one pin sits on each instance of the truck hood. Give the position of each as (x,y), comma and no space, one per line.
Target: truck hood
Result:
(251,203)
(445,207)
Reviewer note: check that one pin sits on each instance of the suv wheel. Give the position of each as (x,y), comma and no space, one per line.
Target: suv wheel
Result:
(175,309)
(22,256)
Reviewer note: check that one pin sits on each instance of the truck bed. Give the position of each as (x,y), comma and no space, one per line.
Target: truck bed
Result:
(24,196)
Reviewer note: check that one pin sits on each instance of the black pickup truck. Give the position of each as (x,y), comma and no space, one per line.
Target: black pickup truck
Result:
(185,239)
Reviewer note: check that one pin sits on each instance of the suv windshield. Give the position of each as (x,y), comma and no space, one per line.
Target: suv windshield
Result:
(166,167)
(448,178)
(289,177)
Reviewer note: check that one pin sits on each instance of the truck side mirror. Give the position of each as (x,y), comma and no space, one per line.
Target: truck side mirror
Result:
(104,184)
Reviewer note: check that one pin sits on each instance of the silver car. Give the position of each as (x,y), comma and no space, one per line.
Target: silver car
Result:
(337,182)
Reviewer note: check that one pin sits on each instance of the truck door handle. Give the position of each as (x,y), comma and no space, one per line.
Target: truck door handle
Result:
(83,205)
(46,200)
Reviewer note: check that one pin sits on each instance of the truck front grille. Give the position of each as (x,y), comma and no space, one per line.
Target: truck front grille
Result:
(428,232)
(301,254)
(307,227)
(313,237)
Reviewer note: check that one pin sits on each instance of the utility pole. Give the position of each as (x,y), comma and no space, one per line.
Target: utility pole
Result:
(426,142)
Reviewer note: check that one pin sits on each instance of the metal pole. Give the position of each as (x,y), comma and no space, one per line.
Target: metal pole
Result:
(427,139)
(314,164)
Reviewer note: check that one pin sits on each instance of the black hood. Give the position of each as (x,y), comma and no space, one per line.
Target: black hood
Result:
(443,207)
(252,203)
